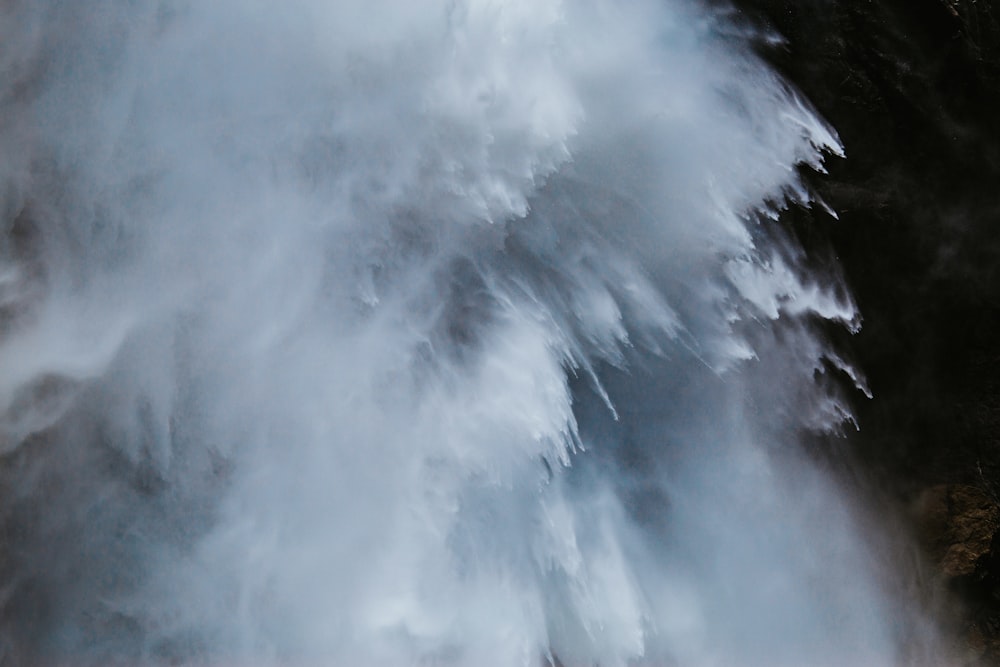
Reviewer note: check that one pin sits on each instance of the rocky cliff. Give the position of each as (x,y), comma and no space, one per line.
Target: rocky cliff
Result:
(913,88)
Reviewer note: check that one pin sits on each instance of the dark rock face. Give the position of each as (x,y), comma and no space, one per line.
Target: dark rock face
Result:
(957,528)
(956,525)
(913,88)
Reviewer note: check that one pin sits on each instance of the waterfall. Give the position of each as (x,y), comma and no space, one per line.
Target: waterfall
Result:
(388,333)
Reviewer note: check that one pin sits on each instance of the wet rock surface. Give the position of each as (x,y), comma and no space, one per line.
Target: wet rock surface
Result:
(957,530)
(913,88)
(957,524)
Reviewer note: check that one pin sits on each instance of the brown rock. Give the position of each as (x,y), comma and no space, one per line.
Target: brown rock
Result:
(956,524)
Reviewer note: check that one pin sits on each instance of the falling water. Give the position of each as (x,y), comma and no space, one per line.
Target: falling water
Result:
(388,333)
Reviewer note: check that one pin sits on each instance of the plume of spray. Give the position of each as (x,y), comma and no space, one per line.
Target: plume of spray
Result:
(392,333)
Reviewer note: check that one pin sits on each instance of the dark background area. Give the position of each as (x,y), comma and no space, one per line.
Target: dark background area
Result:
(913,89)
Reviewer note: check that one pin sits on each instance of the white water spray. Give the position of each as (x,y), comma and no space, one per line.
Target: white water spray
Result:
(393,333)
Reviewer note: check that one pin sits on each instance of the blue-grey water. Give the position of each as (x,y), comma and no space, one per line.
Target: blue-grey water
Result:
(388,333)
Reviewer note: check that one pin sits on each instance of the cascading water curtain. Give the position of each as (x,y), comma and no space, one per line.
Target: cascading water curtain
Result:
(384,333)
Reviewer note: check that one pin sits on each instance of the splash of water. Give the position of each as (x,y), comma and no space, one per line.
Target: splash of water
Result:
(391,333)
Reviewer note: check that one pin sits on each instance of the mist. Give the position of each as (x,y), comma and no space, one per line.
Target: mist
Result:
(382,334)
